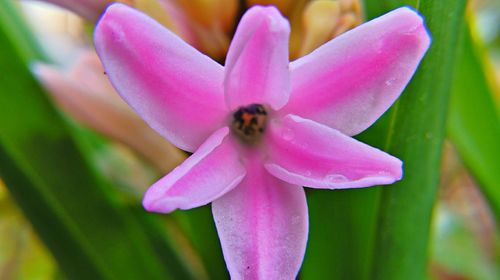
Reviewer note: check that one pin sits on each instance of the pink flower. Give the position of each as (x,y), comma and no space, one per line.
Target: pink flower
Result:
(89,9)
(261,127)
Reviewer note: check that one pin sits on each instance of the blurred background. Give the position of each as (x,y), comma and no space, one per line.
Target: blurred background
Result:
(75,160)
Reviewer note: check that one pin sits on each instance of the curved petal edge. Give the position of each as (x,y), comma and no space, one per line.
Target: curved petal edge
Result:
(307,153)
(256,69)
(349,82)
(213,170)
(177,90)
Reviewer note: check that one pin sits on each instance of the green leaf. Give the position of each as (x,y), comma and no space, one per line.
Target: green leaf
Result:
(473,120)
(16,28)
(415,134)
(200,228)
(76,214)
(173,250)
(376,8)
(342,223)
(341,231)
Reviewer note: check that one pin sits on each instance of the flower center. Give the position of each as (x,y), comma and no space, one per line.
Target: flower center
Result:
(249,123)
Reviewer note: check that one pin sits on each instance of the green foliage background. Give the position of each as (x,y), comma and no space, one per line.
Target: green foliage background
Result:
(95,230)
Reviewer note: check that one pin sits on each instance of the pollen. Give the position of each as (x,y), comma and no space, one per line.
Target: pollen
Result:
(249,123)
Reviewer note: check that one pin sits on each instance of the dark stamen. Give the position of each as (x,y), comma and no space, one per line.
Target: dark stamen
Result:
(249,122)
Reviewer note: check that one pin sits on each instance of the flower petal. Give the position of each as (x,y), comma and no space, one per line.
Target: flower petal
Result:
(353,79)
(257,61)
(307,153)
(210,172)
(262,226)
(177,90)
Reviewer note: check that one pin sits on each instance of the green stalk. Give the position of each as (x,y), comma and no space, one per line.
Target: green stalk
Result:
(415,134)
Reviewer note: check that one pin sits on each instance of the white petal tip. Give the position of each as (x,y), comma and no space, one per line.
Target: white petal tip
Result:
(162,205)
(418,19)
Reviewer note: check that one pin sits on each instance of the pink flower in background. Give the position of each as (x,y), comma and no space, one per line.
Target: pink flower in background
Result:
(89,9)
(261,127)
(207,25)
(84,93)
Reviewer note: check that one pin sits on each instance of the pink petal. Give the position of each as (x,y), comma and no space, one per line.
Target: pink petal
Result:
(176,89)
(304,152)
(262,226)
(257,60)
(89,9)
(350,81)
(210,172)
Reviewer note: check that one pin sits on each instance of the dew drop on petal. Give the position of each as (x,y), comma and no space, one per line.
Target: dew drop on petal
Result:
(288,135)
(296,220)
(384,174)
(390,81)
(336,178)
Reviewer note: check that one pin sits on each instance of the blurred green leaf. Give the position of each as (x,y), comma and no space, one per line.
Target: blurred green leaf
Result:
(174,251)
(341,232)
(374,9)
(457,249)
(22,255)
(473,120)
(16,28)
(415,132)
(76,214)
(200,228)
